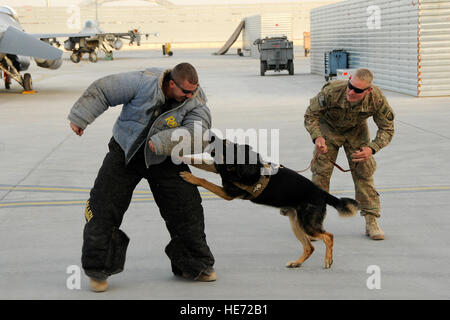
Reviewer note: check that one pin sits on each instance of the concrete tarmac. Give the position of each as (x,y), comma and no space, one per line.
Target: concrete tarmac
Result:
(46,173)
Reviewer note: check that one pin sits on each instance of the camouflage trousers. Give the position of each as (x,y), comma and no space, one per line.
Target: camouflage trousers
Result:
(362,172)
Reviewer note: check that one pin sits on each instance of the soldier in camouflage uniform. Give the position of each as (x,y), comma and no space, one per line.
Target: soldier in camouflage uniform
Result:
(337,117)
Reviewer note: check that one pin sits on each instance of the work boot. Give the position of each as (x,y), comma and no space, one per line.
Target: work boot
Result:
(372,229)
(207,278)
(98,285)
(203,277)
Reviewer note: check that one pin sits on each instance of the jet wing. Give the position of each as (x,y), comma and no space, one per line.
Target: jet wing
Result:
(86,35)
(63,35)
(124,34)
(14,41)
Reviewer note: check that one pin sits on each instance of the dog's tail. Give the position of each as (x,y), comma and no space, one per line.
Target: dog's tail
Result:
(346,207)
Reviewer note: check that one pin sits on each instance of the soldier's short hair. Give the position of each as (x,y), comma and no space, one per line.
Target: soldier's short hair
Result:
(185,71)
(364,74)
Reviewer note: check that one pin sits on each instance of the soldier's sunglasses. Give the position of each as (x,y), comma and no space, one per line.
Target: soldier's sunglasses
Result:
(357,90)
(182,89)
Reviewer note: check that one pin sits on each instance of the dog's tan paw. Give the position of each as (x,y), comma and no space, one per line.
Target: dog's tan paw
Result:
(328,263)
(293,264)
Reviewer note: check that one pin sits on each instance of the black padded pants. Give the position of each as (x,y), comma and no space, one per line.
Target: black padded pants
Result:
(104,244)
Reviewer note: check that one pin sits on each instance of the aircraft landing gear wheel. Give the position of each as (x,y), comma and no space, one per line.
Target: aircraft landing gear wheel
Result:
(27,82)
(75,57)
(93,57)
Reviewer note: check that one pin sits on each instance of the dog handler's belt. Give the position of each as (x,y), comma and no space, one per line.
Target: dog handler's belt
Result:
(256,189)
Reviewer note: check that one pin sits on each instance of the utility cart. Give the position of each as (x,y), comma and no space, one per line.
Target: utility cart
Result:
(276,53)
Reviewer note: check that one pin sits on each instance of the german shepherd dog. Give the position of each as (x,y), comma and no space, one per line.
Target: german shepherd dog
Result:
(297,197)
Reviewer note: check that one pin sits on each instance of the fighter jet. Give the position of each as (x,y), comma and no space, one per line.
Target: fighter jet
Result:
(92,38)
(16,48)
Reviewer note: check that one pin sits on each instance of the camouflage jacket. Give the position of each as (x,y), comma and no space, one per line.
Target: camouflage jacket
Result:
(331,106)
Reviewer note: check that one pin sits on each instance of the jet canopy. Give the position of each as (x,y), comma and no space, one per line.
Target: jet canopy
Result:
(10,12)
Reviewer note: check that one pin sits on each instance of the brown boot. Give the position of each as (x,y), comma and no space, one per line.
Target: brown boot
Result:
(203,277)
(207,278)
(98,285)
(372,229)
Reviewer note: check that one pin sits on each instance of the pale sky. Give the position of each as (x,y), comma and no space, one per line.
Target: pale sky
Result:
(63,3)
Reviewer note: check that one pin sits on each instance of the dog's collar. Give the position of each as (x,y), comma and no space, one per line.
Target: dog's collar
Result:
(256,189)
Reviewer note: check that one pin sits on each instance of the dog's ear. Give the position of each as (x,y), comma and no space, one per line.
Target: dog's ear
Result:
(210,146)
(217,149)
(212,138)
(213,144)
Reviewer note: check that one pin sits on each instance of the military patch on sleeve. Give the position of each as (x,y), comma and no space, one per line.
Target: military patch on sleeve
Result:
(386,111)
(321,100)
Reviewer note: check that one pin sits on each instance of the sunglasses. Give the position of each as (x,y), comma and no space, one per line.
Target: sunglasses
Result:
(182,89)
(357,90)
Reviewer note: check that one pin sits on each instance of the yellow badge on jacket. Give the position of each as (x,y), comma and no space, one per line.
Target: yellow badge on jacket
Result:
(171,123)
(88,212)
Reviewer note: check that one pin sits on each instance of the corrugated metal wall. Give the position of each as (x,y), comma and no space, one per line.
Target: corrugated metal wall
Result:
(434,48)
(380,35)
(277,24)
(252,31)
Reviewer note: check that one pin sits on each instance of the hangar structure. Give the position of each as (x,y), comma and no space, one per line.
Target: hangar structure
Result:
(193,26)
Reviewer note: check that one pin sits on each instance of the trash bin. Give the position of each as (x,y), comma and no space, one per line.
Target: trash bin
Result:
(276,53)
(333,60)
